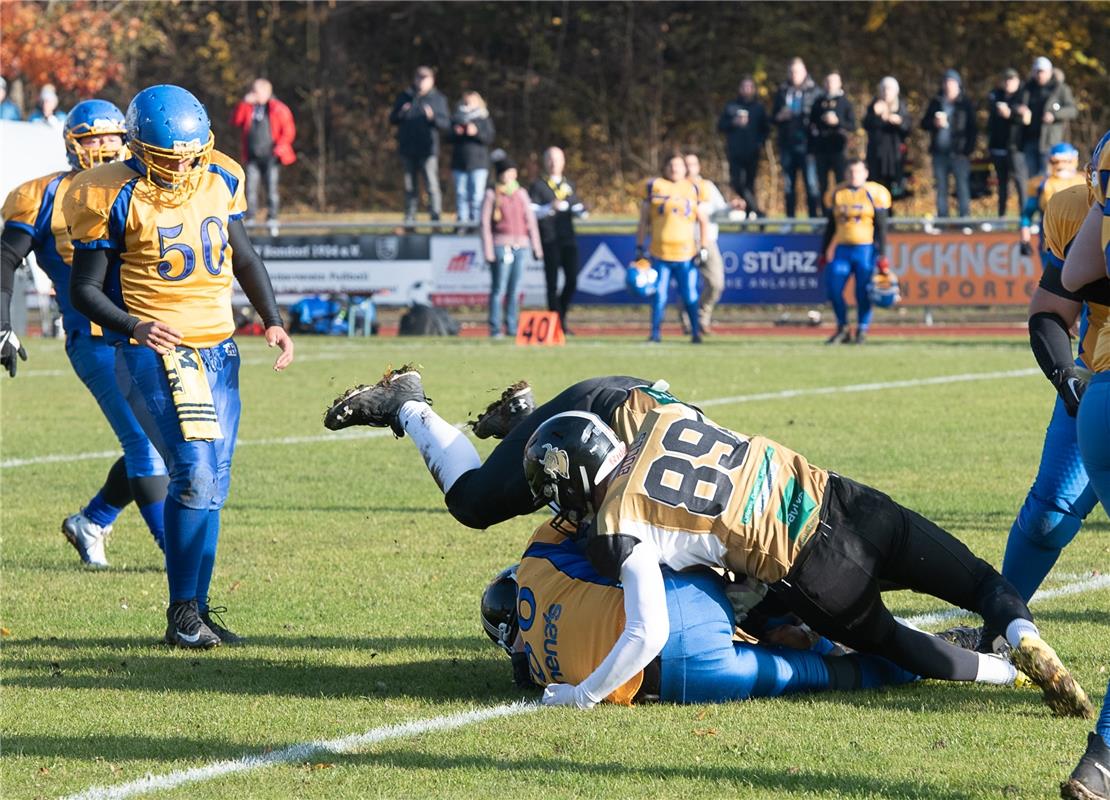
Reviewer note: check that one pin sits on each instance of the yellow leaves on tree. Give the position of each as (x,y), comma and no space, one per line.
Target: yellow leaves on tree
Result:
(76,46)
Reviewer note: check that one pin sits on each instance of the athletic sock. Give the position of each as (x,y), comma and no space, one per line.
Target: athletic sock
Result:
(995,669)
(185,537)
(1102,727)
(208,558)
(149,492)
(1018,628)
(446,450)
(100,512)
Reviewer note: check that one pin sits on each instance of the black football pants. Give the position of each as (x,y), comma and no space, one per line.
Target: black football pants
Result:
(866,539)
(497,490)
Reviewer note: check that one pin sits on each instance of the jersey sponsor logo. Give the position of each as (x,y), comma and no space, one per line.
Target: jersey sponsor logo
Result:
(761,487)
(525,608)
(556,462)
(796,508)
(551,640)
(661,397)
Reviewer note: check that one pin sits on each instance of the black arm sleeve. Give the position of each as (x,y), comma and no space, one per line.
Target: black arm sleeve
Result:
(830,231)
(1048,337)
(882,216)
(252,276)
(15,244)
(86,290)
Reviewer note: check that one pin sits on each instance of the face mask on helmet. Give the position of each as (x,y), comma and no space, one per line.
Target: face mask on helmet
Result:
(93,133)
(169,134)
(499,609)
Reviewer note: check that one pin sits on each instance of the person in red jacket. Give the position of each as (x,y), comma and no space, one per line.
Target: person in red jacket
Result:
(267,141)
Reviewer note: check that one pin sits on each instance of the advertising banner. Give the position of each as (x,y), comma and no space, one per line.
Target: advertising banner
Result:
(461,276)
(980,269)
(395,268)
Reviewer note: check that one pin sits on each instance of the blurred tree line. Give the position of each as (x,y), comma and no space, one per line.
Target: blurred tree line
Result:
(616,84)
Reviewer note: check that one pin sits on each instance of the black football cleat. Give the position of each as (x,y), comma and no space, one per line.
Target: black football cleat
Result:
(861,337)
(217,627)
(505,413)
(1062,692)
(962,636)
(1090,780)
(186,629)
(842,336)
(377,405)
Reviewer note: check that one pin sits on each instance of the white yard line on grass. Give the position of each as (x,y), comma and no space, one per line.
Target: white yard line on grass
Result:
(65,458)
(302,752)
(1090,584)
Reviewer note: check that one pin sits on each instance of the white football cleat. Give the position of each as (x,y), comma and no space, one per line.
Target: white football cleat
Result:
(87,538)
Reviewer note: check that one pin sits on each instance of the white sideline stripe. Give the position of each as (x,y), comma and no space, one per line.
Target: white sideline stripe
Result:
(1079,587)
(65,458)
(301,752)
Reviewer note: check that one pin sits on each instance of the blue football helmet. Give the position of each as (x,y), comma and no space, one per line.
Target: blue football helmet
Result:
(1098,171)
(169,133)
(93,118)
(883,290)
(640,279)
(1063,156)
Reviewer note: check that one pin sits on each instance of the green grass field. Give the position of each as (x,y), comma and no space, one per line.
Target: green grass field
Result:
(360,593)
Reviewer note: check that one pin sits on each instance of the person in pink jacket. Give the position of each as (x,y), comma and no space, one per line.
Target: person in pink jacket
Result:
(508,229)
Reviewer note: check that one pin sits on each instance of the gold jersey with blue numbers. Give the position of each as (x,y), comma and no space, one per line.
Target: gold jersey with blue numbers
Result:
(1044,187)
(704,495)
(855,209)
(174,262)
(673,208)
(35,207)
(570,617)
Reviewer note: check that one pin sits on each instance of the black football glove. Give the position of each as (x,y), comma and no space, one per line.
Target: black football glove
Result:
(1026,249)
(1070,385)
(10,347)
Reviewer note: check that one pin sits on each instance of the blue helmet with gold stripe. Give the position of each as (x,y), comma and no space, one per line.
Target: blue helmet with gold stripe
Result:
(168,131)
(1098,173)
(93,119)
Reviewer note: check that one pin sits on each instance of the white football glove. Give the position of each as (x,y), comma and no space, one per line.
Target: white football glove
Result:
(565,694)
(10,347)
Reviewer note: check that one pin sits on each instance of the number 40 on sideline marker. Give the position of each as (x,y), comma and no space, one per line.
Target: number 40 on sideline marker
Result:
(540,328)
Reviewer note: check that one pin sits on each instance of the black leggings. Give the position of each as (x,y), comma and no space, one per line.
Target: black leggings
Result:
(497,490)
(866,539)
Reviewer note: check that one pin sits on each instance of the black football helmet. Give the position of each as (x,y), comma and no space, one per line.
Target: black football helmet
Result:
(499,618)
(564,461)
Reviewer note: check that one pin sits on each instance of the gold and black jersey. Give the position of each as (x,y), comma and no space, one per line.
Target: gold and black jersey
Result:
(706,495)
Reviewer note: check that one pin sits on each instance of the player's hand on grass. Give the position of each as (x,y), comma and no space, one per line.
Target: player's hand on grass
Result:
(158,336)
(10,347)
(1070,385)
(277,337)
(565,694)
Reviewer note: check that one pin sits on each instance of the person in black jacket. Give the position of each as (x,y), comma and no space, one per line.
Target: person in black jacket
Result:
(471,133)
(950,121)
(791,111)
(745,126)
(556,204)
(1004,131)
(420,114)
(1047,107)
(888,125)
(831,121)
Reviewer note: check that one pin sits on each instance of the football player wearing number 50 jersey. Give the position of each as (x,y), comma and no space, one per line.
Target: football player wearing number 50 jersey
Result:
(158,239)
(33,220)
(688,492)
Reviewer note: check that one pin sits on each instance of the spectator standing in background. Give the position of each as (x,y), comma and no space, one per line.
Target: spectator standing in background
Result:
(1047,109)
(888,125)
(471,133)
(712,268)
(1004,134)
(46,110)
(831,122)
(8,109)
(508,230)
(745,126)
(267,132)
(950,121)
(556,205)
(420,114)
(791,111)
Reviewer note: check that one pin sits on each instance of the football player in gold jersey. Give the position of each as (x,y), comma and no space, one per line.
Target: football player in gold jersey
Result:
(689,493)
(158,240)
(558,618)
(1063,172)
(1089,260)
